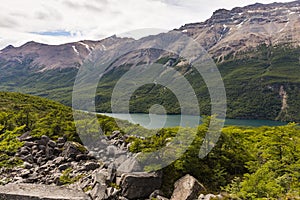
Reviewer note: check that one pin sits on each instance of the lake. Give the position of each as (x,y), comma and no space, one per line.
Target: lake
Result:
(154,121)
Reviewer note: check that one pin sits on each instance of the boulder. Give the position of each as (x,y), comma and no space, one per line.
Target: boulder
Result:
(112,192)
(36,191)
(27,165)
(64,166)
(119,160)
(43,141)
(25,173)
(52,144)
(61,140)
(99,191)
(129,165)
(49,152)
(100,176)
(72,149)
(59,160)
(80,157)
(25,150)
(90,165)
(42,147)
(114,135)
(140,185)
(45,138)
(28,158)
(187,188)
(26,137)
(33,178)
(29,144)
(57,151)
(111,169)
(111,150)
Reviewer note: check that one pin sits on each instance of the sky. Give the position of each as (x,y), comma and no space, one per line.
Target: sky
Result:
(62,21)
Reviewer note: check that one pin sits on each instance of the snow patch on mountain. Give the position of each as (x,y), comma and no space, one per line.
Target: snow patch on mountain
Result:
(75,50)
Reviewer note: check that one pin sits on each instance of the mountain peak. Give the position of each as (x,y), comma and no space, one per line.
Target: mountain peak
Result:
(31,43)
(221,11)
(8,47)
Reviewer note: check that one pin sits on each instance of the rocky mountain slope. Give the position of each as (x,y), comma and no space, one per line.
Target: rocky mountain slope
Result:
(43,57)
(236,30)
(255,47)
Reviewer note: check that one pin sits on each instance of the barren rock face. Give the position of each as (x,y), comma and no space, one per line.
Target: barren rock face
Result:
(242,28)
(43,57)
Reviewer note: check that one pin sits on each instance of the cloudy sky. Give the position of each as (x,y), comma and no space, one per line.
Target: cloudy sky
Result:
(61,21)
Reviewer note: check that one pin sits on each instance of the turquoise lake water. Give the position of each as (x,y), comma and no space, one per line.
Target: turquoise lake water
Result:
(153,121)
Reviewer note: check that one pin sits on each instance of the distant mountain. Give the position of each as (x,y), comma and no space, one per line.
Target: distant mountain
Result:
(232,31)
(255,47)
(47,70)
(43,57)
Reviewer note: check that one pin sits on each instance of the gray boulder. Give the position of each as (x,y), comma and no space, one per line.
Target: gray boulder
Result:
(187,188)
(25,150)
(72,149)
(129,165)
(64,166)
(120,160)
(100,176)
(140,185)
(52,144)
(111,150)
(90,165)
(99,191)
(25,137)
(36,191)
(29,144)
(61,140)
(59,160)
(27,165)
(114,135)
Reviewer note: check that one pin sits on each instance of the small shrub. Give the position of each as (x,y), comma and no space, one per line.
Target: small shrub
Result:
(66,177)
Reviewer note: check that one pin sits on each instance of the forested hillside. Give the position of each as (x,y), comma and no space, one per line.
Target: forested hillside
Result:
(247,163)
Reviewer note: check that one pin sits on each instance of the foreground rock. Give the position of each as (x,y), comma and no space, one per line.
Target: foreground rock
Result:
(140,185)
(106,171)
(35,191)
(187,188)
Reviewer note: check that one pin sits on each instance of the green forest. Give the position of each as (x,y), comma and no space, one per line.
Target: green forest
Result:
(246,163)
(252,81)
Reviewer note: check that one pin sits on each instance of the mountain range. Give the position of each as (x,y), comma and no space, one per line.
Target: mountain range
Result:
(256,49)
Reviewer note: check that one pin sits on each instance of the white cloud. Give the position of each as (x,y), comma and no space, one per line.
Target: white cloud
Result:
(96,19)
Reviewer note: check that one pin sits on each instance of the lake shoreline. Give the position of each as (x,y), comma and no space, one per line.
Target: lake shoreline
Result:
(164,121)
